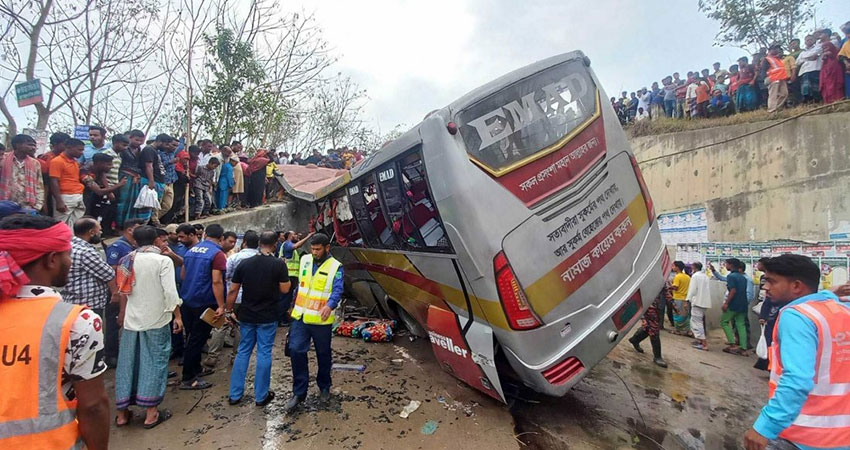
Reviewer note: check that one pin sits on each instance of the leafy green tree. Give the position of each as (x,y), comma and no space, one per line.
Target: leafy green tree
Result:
(235,102)
(755,24)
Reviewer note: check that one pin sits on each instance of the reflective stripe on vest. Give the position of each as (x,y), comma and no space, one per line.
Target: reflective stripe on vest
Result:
(777,71)
(293,264)
(55,425)
(314,290)
(824,419)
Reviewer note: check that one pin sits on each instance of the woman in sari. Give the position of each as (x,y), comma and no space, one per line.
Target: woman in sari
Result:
(257,178)
(746,96)
(129,170)
(832,71)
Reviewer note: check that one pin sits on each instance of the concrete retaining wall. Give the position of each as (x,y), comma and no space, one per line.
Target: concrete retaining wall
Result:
(788,182)
(275,217)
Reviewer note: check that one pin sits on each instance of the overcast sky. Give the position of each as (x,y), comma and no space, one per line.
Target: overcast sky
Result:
(415,56)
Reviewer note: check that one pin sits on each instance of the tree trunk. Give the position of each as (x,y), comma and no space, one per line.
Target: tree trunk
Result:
(12,125)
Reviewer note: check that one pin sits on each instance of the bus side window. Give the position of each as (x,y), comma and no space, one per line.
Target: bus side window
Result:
(420,210)
(345,227)
(392,200)
(363,199)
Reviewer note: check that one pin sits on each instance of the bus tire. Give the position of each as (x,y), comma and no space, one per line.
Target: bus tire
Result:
(409,322)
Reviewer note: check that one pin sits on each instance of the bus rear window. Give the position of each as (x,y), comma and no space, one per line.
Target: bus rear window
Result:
(529,117)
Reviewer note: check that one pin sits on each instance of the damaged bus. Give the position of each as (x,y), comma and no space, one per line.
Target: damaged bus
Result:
(512,228)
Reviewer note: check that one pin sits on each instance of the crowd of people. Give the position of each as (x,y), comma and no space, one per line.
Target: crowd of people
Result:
(159,294)
(779,76)
(125,177)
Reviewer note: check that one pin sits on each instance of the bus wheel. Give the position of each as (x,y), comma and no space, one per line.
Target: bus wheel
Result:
(410,323)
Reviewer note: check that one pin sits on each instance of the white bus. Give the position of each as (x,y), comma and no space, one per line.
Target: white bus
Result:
(512,227)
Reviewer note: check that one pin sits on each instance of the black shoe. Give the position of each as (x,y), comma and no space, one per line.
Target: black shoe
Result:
(660,362)
(635,344)
(232,402)
(292,403)
(267,400)
(325,397)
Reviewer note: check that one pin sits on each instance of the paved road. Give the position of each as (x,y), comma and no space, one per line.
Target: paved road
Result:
(704,400)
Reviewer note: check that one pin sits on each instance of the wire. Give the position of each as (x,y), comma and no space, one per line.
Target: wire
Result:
(788,119)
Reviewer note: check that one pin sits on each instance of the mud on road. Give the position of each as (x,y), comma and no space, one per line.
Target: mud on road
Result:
(703,401)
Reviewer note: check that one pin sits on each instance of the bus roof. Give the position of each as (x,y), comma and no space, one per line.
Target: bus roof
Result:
(411,137)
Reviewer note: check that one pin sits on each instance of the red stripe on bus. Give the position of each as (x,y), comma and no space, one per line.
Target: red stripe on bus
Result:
(412,279)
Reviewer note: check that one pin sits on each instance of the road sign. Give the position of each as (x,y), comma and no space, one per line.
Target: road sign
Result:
(41,139)
(81,132)
(28,92)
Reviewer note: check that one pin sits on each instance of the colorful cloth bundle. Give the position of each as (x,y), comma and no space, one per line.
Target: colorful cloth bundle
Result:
(370,330)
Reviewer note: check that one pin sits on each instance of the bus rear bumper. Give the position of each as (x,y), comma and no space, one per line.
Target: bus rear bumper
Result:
(558,375)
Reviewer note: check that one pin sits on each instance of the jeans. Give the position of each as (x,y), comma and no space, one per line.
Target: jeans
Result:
(299,344)
(203,203)
(670,107)
(198,332)
(726,323)
(286,299)
(261,334)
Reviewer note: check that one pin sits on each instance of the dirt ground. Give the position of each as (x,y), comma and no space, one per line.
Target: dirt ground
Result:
(704,400)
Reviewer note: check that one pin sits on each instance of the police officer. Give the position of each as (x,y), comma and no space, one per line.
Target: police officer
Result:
(319,293)
(47,344)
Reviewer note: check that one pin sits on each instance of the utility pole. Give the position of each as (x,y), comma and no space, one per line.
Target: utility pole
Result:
(188,131)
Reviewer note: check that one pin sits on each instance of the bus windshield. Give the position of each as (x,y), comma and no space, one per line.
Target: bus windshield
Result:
(528,118)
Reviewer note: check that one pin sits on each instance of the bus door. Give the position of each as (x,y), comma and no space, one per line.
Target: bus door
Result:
(463,345)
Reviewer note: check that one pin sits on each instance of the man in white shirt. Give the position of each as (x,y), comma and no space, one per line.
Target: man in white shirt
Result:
(146,278)
(699,295)
(809,64)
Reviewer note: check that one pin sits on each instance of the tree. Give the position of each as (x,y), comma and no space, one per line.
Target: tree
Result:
(340,106)
(76,48)
(755,24)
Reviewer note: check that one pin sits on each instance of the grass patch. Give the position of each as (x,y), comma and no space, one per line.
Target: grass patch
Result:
(665,125)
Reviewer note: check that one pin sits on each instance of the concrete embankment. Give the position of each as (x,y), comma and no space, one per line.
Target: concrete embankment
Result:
(785,182)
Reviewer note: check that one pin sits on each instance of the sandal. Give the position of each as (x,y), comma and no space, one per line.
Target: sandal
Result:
(196,385)
(129,419)
(731,350)
(206,372)
(163,415)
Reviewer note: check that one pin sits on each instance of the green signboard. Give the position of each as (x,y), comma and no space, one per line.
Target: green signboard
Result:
(28,92)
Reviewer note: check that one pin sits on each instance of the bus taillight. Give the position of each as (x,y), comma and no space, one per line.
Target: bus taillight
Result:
(650,209)
(520,316)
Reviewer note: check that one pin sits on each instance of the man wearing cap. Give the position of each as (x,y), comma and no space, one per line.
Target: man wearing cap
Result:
(50,343)
(153,173)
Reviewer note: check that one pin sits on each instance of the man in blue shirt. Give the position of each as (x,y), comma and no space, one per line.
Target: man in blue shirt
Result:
(720,105)
(203,287)
(807,371)
(735,308)
(97,143)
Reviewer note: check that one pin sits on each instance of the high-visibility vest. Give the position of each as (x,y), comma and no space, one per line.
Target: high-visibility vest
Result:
(294,263)
(33,410)
(824,420)
(777,71)
(314,290)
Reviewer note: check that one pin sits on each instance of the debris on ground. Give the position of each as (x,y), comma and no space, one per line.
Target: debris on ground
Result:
(429,428)
(412,406)
(349,367)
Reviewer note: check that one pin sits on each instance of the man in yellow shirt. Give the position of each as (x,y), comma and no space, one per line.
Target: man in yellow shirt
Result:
(682,309)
